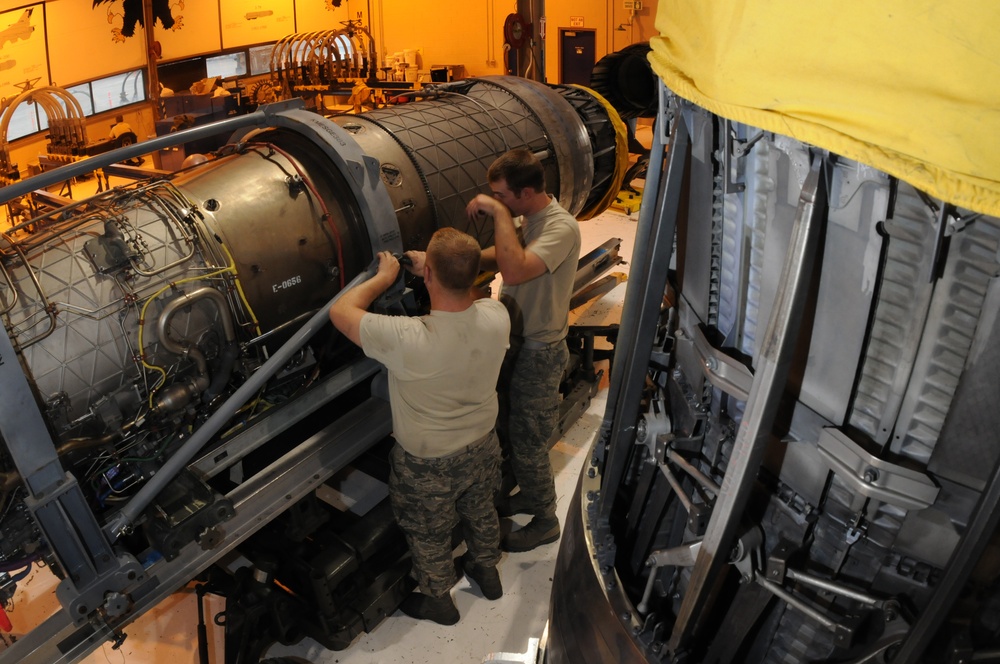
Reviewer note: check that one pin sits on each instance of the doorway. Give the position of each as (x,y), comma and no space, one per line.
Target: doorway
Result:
(576,55)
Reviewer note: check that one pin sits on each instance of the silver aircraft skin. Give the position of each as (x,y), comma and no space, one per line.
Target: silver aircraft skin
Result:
(798,462)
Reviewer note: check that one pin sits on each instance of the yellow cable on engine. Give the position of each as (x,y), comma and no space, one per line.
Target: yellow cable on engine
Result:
(239,289)
(231,268)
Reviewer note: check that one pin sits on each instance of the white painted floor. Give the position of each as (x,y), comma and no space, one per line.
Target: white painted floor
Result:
(168,634)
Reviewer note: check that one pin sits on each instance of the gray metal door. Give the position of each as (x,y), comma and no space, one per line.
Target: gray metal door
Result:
(576,55)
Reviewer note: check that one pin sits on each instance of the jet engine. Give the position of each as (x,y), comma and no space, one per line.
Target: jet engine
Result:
(170,382)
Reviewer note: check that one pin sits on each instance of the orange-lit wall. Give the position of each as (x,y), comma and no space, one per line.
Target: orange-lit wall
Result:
(604,17)
(460,32)
(446,32)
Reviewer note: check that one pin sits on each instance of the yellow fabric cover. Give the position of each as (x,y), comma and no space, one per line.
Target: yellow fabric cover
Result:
(911,87)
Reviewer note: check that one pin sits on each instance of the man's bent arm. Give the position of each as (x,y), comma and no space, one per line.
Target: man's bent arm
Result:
(347,312)
(516,264)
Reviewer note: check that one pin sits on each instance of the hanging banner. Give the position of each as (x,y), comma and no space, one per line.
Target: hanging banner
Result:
(195,32)
(89,40)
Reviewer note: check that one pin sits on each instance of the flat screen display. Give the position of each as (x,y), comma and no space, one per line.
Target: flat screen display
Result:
(227,65)
(260,59)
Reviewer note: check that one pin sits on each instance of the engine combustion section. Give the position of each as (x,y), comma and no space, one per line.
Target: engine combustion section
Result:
(174,328)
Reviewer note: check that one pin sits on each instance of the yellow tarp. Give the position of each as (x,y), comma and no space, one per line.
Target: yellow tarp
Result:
(911,87)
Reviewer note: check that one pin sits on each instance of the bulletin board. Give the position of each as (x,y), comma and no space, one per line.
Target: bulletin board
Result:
(245,23)
(23,59)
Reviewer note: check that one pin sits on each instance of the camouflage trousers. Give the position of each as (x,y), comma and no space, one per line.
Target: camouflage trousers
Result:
(430,497)
(529,396)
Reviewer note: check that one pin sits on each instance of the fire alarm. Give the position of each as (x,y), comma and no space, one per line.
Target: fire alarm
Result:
(515,30)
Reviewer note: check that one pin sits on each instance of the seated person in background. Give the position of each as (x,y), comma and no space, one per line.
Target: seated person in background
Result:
(121,135)
(120,127)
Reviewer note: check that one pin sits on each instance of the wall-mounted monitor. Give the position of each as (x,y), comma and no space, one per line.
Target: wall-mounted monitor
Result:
(179,75)
(227,65)
(112,92)
(260,59)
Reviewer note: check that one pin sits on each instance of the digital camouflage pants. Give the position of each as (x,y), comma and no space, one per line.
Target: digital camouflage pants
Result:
(431,496)
(529,394)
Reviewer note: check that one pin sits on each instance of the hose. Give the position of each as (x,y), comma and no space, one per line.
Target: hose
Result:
(123,521)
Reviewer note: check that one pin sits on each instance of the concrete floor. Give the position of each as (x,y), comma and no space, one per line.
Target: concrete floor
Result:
(500,630)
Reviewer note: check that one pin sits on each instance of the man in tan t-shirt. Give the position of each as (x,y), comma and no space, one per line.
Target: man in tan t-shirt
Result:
(538,271)
(443,369)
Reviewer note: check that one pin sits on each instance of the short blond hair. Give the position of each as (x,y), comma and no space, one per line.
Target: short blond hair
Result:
(454,257)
